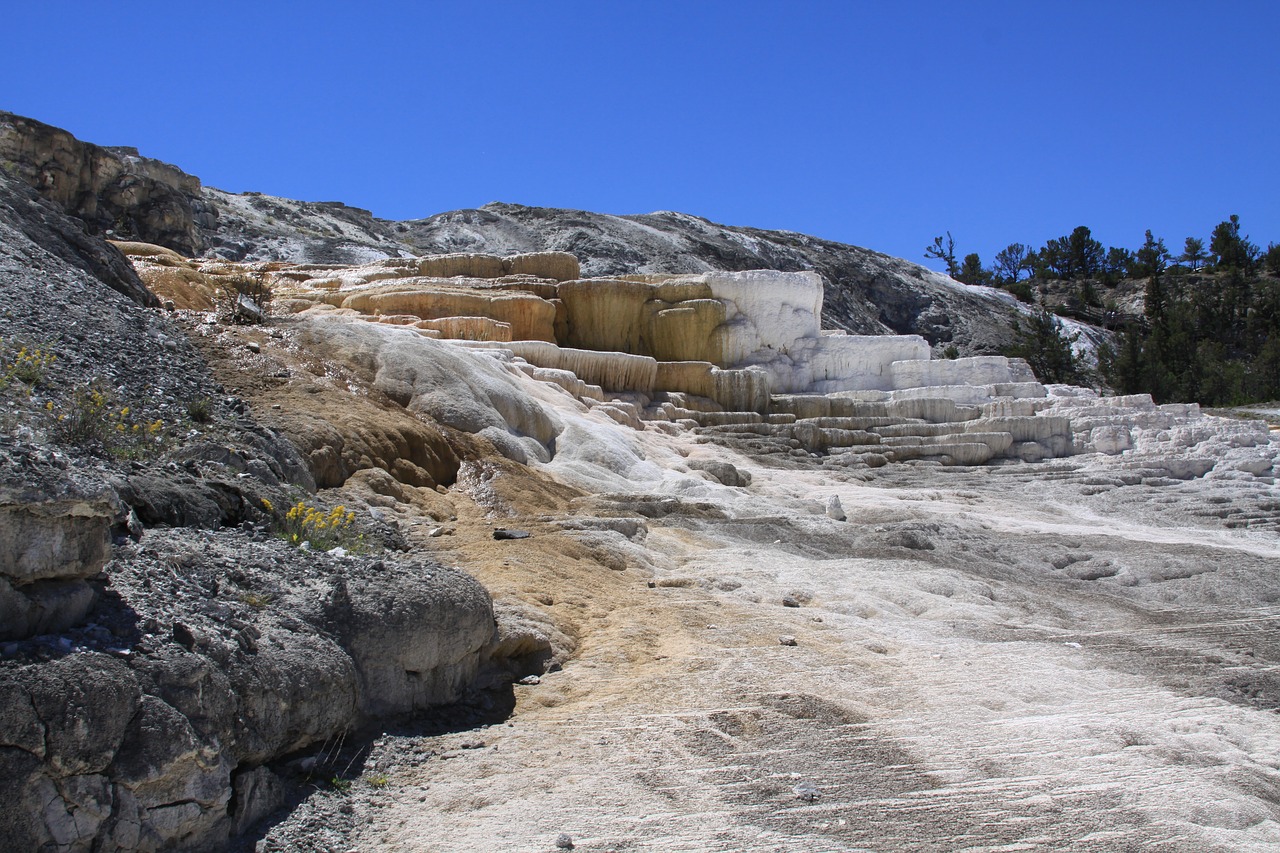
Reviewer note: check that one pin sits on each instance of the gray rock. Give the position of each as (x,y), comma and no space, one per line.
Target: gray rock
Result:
(54,530)
(807,792)
(834,509)
(256,793)
(109,189)
(726,473)
(85,703)
(45,224)
(913,539)
(416,637)
(43,607)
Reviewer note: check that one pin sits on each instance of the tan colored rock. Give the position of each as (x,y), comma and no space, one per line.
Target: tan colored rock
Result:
(613,371)
(369,484)
(468,328)
(467,264)
(558,266)
(530,318)
(734,390)
(188,288)
(54,539)
(607,315)
(685,330)
(133,249)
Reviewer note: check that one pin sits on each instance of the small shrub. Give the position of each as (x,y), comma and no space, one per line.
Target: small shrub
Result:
(252,286)
(90,418)
(27,365)
(322,531)
(1022,291)
(378,780)
(200,410)
(257,600)
(1272,259)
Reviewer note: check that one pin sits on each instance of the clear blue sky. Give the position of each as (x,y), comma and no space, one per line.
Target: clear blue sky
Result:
(874,123)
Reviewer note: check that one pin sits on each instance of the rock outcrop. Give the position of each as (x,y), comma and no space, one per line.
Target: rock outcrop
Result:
(115,191)
(160,653)
(55,534)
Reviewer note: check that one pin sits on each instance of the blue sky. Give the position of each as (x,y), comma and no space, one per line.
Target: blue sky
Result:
(878,124)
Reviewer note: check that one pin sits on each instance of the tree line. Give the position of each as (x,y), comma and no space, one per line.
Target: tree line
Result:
(1210,327)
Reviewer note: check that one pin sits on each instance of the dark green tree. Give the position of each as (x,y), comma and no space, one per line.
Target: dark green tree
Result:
(1047,348)
(1152,259)
(1228,249)
(945,252)
(1116,265)
(1193,253)
(1085,254)
(1077,255)
(1011,262)
(1271,259)
(972,272)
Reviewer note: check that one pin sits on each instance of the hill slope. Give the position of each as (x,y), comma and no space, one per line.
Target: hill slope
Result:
(120,194)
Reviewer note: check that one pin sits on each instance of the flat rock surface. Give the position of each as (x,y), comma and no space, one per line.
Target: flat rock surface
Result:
(1063,669)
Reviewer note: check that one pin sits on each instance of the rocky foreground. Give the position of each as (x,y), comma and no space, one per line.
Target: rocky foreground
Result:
(474,552)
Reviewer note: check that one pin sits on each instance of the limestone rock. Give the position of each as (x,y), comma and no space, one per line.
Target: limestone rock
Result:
(416,637)
(557,266)
(724,472)
(54,533)
(530,317)
(466,264)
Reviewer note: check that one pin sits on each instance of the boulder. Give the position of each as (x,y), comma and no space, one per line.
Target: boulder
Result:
(54,533)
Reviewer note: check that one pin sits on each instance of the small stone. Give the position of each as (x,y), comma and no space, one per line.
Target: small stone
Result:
(530,680)
(652,585)
(790,601)
(254,347)
(508,533)
(787,640)
(564,841)
(807,791)
(184,636)
(834,509)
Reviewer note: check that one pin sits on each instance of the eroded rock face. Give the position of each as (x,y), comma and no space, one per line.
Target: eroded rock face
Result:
(254,651)
(113,190)
(54,534)
(37,222)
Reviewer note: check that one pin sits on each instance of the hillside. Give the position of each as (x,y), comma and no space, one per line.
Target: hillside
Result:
(125,196)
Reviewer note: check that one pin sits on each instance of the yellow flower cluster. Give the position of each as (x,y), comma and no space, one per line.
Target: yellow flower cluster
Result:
(324,530)
(27,365)
(91,417)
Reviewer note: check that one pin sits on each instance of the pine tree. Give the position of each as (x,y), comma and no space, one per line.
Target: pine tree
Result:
(945,252)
